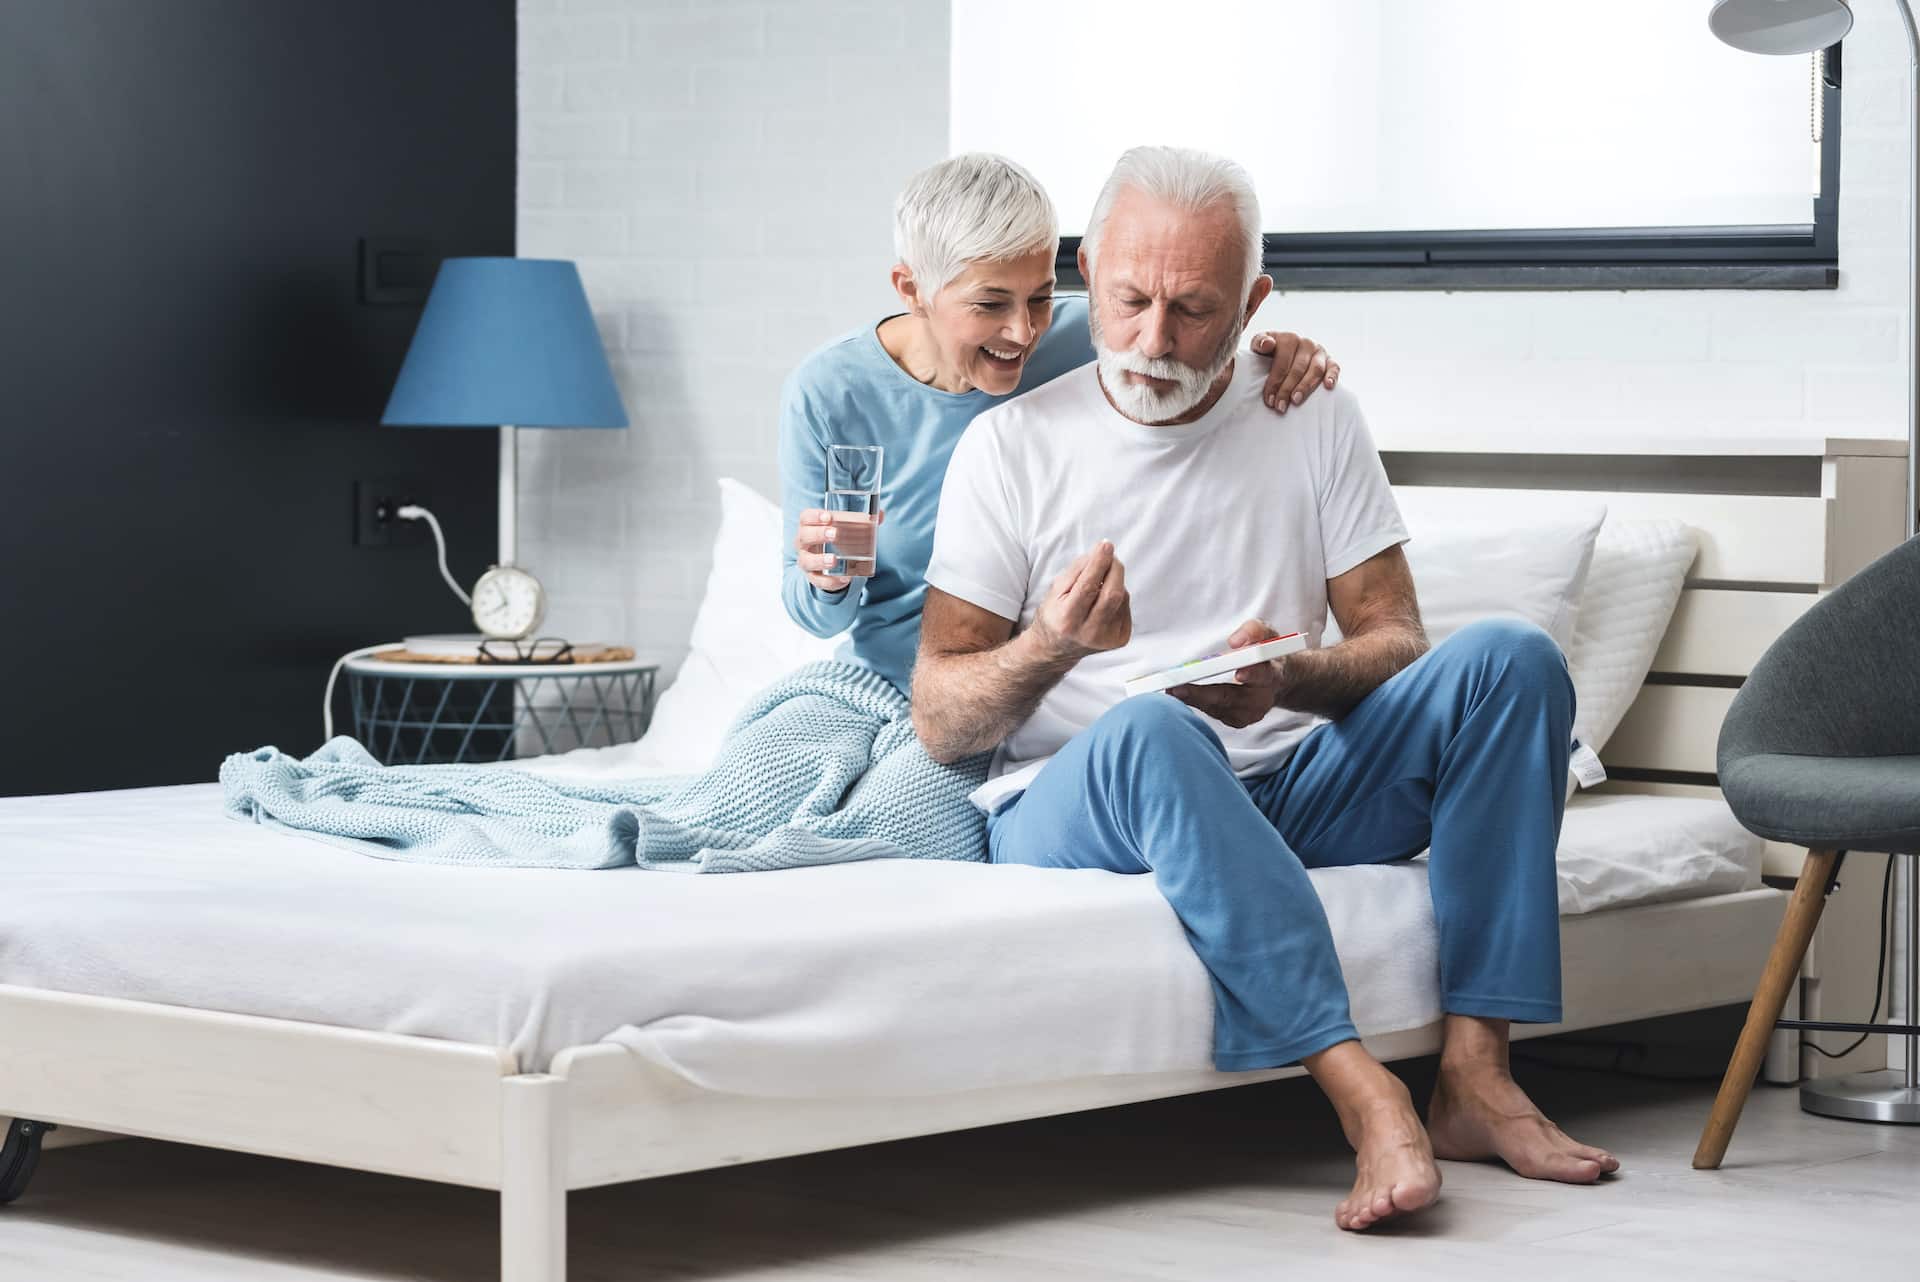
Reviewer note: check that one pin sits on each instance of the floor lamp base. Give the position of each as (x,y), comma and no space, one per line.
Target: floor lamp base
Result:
(1881,1096)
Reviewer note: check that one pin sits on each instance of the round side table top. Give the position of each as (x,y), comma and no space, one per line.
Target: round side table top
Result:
(374,667)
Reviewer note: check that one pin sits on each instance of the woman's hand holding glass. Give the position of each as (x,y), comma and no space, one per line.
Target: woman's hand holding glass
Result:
(816,531)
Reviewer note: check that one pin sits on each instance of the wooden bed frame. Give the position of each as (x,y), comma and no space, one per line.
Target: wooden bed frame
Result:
(1779,520)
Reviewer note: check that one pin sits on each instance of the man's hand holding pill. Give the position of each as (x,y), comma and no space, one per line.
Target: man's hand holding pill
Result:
(1087,609)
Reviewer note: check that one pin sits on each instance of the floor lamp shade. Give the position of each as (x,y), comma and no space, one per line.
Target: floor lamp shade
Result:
(506,341)
(1780,26)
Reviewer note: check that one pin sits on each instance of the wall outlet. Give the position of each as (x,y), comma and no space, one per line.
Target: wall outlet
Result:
(374,502)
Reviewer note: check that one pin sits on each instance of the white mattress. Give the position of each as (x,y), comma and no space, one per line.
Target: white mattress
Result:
(888,977)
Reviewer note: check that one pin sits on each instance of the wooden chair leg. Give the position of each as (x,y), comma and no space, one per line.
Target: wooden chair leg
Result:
(1782,968)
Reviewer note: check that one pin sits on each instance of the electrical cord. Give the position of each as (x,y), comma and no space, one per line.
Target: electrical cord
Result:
(414,512)
(408,512)
(326,700)
(1879,971)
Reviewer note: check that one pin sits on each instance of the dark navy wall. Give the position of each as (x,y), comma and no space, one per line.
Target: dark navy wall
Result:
(189,384)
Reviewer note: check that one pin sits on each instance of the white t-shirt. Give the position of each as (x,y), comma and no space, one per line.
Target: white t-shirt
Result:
(1239,514)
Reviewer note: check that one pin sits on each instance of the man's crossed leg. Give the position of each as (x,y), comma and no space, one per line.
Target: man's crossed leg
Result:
(1465,751)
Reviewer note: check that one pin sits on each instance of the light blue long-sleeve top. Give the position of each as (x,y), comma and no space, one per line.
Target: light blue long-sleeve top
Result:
(851,392)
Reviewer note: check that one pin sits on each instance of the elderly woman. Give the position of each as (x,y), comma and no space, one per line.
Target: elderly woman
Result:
(976,238)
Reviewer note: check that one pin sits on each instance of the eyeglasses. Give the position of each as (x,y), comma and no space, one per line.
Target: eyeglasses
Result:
(538,650)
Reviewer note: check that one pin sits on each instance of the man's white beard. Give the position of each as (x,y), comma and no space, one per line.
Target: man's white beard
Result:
(1145,403)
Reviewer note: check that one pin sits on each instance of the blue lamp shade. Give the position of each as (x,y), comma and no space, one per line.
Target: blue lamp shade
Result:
(506,341)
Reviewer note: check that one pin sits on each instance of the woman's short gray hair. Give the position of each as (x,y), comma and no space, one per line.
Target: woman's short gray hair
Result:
(1186,179)
(974,207)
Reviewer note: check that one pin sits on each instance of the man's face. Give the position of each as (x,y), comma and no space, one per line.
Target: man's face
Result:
(1167,303)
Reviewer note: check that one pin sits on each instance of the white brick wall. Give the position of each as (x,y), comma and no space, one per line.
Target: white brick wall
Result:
(723,170)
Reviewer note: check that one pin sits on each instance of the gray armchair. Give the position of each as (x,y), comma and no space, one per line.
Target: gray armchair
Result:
(1821,748)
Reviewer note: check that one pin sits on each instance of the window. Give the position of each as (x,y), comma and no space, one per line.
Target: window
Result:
(1433,143)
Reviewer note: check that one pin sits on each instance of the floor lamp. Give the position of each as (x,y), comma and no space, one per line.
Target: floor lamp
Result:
(1800,27)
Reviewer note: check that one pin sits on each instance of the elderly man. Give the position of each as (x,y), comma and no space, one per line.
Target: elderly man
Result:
(1228,793)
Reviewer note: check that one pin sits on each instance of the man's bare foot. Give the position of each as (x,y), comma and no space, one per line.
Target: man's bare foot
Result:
(1481,1113)
(1395,1170)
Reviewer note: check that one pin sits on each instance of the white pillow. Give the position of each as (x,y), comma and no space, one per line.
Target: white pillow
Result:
(1632,590)
(1475,555)
(742,639)
(1468,567)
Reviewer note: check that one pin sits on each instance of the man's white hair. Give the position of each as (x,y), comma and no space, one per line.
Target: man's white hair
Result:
(1186,179)
(971,208)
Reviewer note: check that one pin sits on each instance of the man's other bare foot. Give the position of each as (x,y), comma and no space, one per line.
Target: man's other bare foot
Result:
(1481,1113)
(1393,1161)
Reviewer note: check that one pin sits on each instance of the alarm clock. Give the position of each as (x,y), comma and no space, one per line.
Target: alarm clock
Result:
(508,603)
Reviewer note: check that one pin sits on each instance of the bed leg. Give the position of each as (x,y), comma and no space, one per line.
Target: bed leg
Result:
(533,1179)
(19,1154)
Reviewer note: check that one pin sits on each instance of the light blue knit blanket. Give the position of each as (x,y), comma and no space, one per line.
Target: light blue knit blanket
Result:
(822,767)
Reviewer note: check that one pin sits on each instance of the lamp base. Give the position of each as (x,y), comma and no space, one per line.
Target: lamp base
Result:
(1881,1096)
(509,484)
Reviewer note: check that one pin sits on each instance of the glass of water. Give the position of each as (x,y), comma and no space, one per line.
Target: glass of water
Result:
(853,499)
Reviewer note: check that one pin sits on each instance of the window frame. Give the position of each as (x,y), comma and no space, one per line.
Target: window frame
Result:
(1782,256)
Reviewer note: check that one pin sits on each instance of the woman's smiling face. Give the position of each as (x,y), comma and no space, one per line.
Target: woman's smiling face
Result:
(987,320)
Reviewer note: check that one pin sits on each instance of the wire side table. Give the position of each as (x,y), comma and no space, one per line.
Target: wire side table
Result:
(435,713)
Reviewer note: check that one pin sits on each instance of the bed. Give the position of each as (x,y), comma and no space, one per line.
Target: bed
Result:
(165,972)
(899,978)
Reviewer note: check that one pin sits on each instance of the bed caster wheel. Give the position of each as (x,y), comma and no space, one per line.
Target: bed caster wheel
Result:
(19,1156)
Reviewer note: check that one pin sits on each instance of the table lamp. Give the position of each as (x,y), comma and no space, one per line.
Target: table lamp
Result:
(506,343)
(1802,27)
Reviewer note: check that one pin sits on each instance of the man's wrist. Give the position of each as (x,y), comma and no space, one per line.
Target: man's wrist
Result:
(1283,686)
(1045,652)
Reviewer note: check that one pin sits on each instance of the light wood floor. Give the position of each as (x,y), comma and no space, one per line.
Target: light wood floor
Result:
(1239,1184)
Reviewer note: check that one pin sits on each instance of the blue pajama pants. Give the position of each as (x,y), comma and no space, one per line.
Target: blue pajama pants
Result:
(1465,750)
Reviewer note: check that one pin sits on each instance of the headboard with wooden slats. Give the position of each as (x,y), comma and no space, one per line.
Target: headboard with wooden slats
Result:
(1724,631)
(1743,537)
